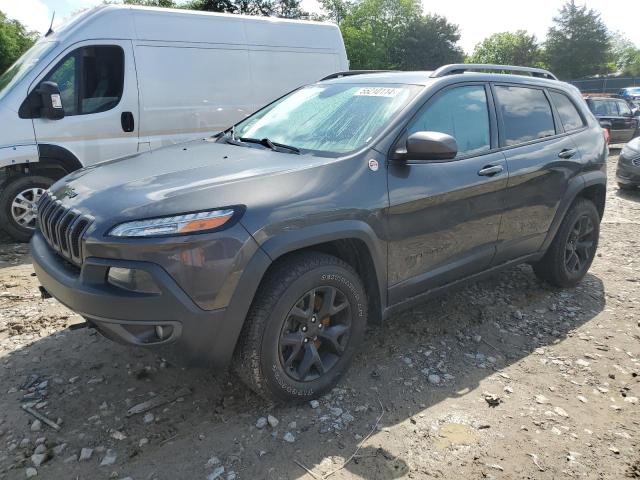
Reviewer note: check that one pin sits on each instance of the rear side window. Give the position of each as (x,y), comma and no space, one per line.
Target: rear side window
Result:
(90,79)
(605,108)
(461,112)
(569,116)
(526,114)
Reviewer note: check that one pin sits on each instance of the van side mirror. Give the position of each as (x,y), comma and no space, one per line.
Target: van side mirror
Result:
(51,101)
(430,146)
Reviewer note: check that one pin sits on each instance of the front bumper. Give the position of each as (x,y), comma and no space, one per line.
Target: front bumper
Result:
(194,337)
(627,174)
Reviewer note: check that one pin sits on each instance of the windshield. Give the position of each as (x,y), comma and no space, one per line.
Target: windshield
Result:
(331,118)
(23,66)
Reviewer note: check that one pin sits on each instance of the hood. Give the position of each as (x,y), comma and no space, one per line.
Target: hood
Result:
(181,178)
(632,148)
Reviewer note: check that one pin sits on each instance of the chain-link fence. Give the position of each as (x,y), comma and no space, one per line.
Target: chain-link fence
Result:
(605,85)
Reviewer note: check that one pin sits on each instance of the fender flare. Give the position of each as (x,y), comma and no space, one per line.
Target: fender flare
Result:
(287,242)
(58,156)
(576,185)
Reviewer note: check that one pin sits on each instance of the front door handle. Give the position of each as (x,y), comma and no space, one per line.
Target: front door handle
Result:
(490,170)
(127,122)
(567,153)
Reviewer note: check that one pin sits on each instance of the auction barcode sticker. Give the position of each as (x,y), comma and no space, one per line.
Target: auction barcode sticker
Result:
(377,92)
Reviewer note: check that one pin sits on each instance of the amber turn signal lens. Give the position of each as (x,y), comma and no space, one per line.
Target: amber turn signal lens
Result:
(205,224)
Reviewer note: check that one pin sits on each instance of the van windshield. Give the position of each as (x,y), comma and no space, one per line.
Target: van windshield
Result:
(23,65)
(333,118)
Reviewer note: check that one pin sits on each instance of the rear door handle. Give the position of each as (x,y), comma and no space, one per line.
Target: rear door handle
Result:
(127,122)
(490,170)
(567,153)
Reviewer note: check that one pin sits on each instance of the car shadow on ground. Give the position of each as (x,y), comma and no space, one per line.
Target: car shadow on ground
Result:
(632,195)
(441,349)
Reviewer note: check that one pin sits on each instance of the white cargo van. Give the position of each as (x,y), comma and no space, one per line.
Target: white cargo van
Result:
(117,80)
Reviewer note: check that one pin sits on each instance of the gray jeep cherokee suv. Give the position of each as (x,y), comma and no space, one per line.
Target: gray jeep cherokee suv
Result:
(269,246)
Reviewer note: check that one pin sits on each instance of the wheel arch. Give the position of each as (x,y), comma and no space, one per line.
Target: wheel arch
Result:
(57,159)
(352,241)
(591,185)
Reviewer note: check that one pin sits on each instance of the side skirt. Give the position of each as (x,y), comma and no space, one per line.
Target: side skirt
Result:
(423,297)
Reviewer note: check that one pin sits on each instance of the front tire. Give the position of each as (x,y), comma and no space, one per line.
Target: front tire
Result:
(18,201)
(570,255)
(303,328)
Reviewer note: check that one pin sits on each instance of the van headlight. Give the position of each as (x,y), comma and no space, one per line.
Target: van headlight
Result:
(197,222)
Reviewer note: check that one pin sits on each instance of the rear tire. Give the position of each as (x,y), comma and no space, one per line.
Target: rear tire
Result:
(302,329)
(572,250)
(18,198)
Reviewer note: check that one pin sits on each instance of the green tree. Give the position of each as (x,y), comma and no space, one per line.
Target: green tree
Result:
(625,55)
(14,41)
(428,42)
(152,3)
(373,29)
(275,8)
(578,44)
(508,48)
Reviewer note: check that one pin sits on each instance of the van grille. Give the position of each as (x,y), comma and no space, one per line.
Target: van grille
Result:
(62,228)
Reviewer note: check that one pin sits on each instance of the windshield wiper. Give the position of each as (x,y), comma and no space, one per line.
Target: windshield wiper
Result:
(276,147)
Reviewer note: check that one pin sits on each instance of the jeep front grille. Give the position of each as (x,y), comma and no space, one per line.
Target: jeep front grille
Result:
(62,228)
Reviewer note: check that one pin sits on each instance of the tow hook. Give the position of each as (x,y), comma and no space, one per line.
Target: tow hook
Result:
(43,293)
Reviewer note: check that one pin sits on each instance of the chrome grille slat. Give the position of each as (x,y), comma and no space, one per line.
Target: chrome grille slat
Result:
(62,228)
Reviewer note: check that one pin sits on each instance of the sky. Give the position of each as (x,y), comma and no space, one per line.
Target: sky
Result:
(477,19)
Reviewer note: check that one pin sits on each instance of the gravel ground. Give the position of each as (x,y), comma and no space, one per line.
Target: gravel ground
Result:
(507,378)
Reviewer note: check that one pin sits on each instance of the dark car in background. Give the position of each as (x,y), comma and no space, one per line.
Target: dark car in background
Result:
(628,171)
(616,117)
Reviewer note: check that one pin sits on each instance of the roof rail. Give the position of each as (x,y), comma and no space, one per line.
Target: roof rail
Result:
(457,68)
(350,73)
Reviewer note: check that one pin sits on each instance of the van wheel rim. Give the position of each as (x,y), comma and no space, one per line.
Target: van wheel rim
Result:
(315,334)
(24,208)
(580,243)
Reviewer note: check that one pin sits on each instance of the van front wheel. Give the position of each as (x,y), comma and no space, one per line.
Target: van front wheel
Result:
(18,204)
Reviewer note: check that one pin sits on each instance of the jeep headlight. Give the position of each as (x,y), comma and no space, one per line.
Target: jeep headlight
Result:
(197,222)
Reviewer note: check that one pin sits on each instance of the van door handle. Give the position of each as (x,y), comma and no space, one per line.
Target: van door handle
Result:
(567,153)
(127,122)
(490,170)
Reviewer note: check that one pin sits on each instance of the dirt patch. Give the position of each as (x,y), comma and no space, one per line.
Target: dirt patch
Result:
(507,378)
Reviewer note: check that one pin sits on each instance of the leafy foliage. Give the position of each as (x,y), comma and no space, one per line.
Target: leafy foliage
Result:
(393,34)
(625,55)
(14,41)
(578,44)
(508,48)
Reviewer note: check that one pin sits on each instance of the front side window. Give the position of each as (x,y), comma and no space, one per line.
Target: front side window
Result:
(624,109)
(569,116)
(332,118)
(526,114)
(90,79)
(461,112)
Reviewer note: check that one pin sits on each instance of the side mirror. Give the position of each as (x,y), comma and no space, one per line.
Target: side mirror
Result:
(51,101)
(636,112)
(430,146)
